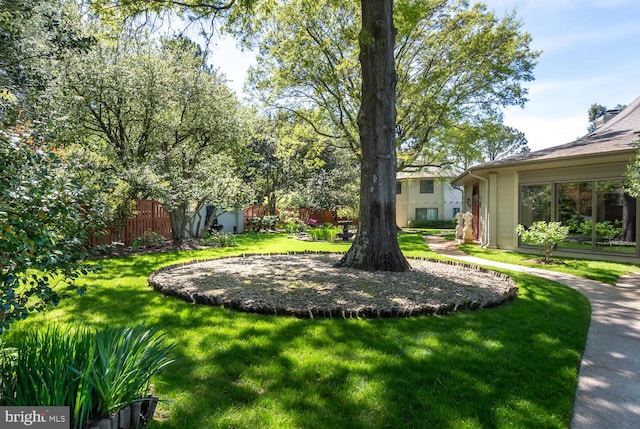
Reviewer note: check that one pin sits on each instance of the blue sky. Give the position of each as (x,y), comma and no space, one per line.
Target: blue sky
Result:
(590,54)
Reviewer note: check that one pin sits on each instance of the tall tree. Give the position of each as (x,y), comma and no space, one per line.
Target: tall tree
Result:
(163,117)
(375,246)
(595,111)
(453,62)
(33,36)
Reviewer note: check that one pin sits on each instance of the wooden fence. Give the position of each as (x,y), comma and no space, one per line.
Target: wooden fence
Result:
(151,216)
(320,216)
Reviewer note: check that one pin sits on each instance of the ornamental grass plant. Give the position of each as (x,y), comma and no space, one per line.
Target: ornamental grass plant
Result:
(95,373)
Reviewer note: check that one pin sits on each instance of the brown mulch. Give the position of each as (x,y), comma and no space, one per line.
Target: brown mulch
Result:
(310,285)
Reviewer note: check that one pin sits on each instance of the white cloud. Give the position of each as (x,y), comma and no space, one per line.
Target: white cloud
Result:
(546,131)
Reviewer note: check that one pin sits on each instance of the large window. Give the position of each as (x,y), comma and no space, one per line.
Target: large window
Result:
(426,214)
(427,186)
(615,218)
(535,204)
(600,215)
(575,210)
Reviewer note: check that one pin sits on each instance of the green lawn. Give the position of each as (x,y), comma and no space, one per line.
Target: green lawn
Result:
(602,271)
(509,367)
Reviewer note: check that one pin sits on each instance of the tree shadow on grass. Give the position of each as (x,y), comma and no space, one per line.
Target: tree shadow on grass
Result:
(512,366)
(507,367)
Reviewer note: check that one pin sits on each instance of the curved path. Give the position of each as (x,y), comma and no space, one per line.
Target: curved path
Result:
(608,393)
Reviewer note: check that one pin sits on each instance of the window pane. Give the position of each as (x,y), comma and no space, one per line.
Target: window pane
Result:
(575,210)
(421,215)
(398,187)
(426,186)
(535,204)
(425,214)
(615,227)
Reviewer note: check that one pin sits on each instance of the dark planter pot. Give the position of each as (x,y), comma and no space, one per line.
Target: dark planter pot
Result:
(134,416)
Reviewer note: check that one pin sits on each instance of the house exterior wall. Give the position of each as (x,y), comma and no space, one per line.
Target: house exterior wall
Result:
(501,190)
(445,198)
(506,218)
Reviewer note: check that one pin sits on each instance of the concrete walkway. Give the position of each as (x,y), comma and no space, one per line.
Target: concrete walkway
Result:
(608,394)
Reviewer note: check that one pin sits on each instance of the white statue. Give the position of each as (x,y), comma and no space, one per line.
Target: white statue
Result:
(459,226)
(468,229)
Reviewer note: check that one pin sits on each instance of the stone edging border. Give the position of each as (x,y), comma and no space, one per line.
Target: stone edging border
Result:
(367,313)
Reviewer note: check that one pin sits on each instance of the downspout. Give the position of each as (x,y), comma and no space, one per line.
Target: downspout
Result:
(485,232)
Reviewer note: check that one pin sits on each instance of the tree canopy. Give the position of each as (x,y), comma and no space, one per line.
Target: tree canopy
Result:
(163,119)
(457,65)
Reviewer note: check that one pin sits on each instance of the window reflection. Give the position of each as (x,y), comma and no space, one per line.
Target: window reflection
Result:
(601,216)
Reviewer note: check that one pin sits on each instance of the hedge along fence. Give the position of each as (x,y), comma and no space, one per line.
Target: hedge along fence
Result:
(151,216)
(304,214)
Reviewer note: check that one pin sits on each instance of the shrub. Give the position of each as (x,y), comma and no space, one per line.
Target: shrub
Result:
(94,373)
(547,235)
(604,229)
(151,239)
(326,232)
(221,239)
(258,224)
(432,223)
(291,222)
(45,214)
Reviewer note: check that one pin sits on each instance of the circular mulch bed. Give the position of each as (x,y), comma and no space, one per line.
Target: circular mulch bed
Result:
(309,285)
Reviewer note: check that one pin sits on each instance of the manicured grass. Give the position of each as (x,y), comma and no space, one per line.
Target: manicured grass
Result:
(513,366)
(602,271)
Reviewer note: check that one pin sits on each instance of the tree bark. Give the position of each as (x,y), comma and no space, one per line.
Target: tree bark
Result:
(375,246)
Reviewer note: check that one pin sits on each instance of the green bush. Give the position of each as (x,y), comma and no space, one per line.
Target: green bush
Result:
(45,216)
(94,373)
(258,224)
(290,221)
(326,232)
(150,239)
(432,223)
(547,235)
(221,239)
(603,229)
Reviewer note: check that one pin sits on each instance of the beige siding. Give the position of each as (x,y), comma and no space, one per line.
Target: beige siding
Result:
(588,172)
(507,217)
(402,204)
(444,198)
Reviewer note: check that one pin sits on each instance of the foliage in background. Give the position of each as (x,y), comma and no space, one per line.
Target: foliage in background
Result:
(45,216)
(34,36)
(262,223)
(94,373)
(151,239)
(160,120)
(547,235)
(454,61)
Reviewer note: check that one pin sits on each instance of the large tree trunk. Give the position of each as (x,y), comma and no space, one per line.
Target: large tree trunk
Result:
(177,217)
(375,247)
